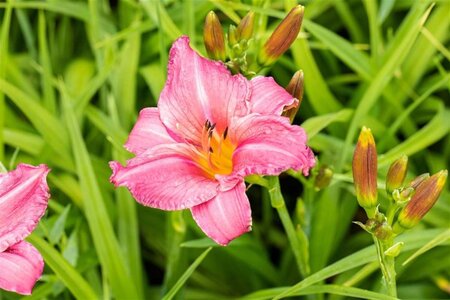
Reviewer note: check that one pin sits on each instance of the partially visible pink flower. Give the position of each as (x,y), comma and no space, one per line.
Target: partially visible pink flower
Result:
(23,200)
(210,130)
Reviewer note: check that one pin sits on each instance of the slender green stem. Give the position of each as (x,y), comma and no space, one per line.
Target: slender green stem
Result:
(387,265)
(278,203)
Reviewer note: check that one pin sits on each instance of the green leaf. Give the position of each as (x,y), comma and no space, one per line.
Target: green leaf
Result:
(315,125)
(58,228)
(412,240)
(182,280)
(393,57)
(47,124)
(65,272)
(437,128)
(105,241)
(440,239)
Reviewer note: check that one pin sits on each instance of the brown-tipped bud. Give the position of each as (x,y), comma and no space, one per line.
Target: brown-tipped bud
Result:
(423,200)
(396,174)
(295,88)
(365,170)
(323,178)
(213,37)
(282,37)
(418,180)
(245,28)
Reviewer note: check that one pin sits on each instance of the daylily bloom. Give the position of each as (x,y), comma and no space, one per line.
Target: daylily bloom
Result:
(23,200)
(210,130)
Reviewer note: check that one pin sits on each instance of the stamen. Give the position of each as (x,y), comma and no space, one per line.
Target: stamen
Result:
(225,133)
(211,150)
(212,126)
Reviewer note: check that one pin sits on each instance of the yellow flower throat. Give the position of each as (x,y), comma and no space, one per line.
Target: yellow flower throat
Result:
(215,156)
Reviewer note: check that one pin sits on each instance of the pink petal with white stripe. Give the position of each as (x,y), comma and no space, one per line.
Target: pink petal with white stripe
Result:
(165,178)
(269,145)
(268,98)
(23,200)
(225,217)
(21,266)
(148,132)
(197,90)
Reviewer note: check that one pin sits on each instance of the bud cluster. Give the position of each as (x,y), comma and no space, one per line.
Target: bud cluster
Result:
(235,48)
(408,203)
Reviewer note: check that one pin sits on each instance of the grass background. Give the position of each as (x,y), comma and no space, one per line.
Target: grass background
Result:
(74,75)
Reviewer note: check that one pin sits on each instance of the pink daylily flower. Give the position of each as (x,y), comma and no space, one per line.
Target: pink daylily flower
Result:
(210,130)
(23,200)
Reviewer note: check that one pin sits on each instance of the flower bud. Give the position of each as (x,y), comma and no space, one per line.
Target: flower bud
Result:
(323,178)
(245,28)
(282,37)
(232,36)
(295,88)
(396,174)
(365,171)
(213,37)
(418,180)
(426,195)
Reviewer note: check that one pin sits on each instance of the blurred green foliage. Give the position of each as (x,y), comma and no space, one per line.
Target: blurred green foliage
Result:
(74,75)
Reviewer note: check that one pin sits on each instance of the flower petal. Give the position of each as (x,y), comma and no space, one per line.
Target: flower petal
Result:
(269,145)
(165,178)
(268,98)
(148,132)
(197,90)
(21,266)
(225,217)
(23,200)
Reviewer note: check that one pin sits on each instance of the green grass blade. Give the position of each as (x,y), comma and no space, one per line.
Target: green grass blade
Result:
(412,241)
(355,59)
(393,58)
(442,238)
(4,44)
(47,78)
(325,289)
(79,287)
(315,125)
(47,124)
(102,231)
(319,96)
(128,227)
(437,128)
(182,280)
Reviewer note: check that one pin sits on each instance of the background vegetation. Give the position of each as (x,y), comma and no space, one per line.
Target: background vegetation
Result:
(74,75)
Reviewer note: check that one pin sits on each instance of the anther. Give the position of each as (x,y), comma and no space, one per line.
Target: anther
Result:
(225,133)
(211,150)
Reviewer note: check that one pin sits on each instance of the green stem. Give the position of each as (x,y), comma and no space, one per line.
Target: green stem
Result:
(278,203)
(387,265)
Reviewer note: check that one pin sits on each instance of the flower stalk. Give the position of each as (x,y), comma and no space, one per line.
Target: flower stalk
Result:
(407,207)
(277,201)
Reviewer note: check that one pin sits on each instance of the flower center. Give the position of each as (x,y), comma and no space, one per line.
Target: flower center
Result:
(216,152)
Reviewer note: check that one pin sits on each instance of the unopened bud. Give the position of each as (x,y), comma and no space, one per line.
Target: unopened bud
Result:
(418,180)
(213,37)
(396,174)
(232,36)
(323,178)
(403,196)
(423,200)
(245,28)
(295,88)
(282,37)
(365,171)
